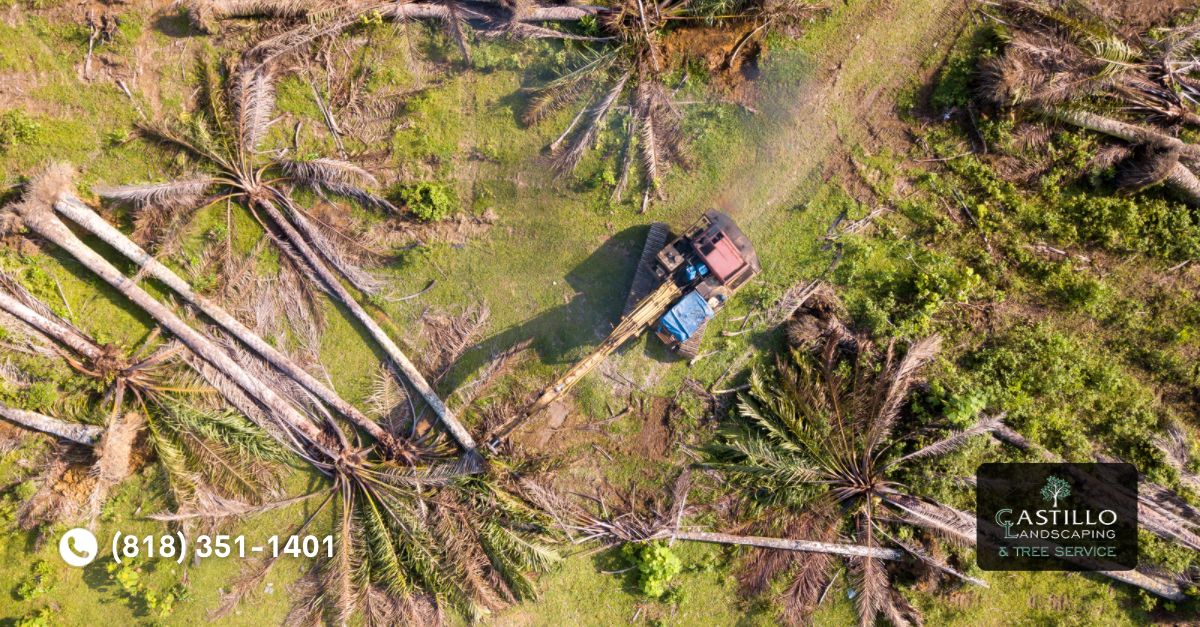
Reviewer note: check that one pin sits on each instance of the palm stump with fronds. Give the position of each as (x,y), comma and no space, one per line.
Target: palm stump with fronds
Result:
(209,454)
(628,75)
(1069,66)
(227,140)
(816,451)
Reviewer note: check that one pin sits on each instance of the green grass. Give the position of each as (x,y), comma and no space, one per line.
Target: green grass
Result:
(554,268)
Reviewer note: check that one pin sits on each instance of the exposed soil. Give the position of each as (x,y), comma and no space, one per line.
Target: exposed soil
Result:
(654,440)
(714,47)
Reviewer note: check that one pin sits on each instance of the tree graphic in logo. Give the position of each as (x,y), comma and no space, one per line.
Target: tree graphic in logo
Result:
(1056,488)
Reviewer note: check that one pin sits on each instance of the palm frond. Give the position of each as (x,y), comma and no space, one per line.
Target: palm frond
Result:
(253,99)
(338,177)
(895,384)
(333,253)
(568,158)
(179,193)
(985,424)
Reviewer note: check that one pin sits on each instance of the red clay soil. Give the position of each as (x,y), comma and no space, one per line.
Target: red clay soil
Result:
(713,46)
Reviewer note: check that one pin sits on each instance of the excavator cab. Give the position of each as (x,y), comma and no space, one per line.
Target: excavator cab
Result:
(708,262)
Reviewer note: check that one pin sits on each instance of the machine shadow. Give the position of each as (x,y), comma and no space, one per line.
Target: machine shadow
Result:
(564,333)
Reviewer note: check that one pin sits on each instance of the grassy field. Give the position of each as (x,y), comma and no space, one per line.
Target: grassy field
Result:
(553,267)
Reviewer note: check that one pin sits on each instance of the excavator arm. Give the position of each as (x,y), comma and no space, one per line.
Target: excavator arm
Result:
(641,317)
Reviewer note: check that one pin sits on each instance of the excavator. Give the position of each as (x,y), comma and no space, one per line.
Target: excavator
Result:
(679,285)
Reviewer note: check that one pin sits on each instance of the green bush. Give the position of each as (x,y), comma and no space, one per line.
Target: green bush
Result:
(37,618)
(900,291)
(955,83)
(40,396)
(656,565)
(37,583)
(16,129)
(1067,396)
(429,202)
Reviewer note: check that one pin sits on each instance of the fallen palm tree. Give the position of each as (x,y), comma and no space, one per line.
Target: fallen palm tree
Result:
(86,435)
(207,453)
(35,213)
(420,535)
(1067,65)
(816,443)
(227,139)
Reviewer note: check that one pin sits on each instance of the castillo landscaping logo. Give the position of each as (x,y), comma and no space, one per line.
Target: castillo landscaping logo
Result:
(1056,516)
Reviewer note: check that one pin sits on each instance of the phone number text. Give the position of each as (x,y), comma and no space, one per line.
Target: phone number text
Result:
(176,547)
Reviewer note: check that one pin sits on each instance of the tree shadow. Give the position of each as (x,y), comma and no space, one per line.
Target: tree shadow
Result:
(564,333)
(175,24)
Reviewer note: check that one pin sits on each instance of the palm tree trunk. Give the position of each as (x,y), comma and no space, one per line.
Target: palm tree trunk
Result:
(1184,183)
(80,434)
(49,327)
(400,362)
(38,217)
(1131,133)
(809,546)
(417,11)
(1155,584)
(81,214)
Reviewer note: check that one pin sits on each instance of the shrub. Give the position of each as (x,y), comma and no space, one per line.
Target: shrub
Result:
(955,83)
(37,583)
(656,565)
(429,202)
(40,396)
(16,129)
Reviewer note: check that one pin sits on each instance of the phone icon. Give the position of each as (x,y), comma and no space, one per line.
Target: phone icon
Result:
(78,547)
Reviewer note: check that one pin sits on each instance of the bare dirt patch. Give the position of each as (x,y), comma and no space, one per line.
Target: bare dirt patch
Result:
(726,52)
(654,439)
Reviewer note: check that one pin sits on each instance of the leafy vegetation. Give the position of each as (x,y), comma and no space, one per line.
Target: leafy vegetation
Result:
(656,565)
(1024,271)
(429,202)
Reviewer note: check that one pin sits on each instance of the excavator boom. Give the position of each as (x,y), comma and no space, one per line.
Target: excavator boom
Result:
(640,318)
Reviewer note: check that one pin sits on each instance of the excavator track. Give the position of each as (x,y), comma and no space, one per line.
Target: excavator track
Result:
(691,347)
(643,278)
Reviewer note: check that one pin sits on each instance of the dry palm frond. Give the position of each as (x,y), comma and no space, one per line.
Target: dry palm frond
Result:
(985,424)
(564,90)
(449,336)
(946,521)
(215,507)
(205,15)
(566,159)
(183,193)
(659,120)
(337,177)
(325,241)
(497,368)
(892,389)
(1146,165)
(1178,453)
(253,99)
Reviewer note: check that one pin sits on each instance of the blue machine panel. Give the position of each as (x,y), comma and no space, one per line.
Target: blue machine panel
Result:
(689,314)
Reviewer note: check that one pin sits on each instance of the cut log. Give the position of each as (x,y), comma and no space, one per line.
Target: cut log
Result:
(808,546)
(86,435)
